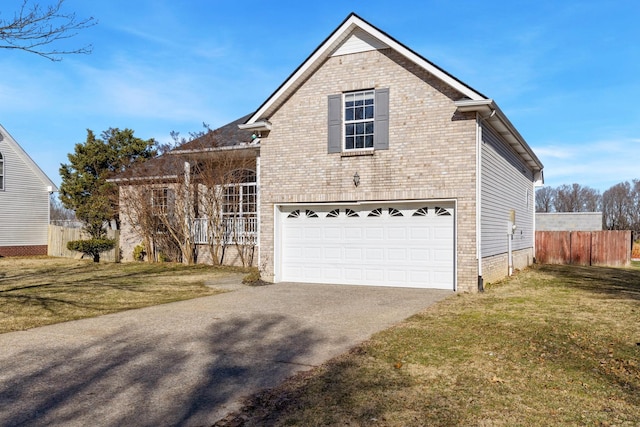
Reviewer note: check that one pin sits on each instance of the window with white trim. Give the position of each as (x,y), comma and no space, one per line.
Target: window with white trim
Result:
(359,117)
(358,122)
(159,200)
(240,207)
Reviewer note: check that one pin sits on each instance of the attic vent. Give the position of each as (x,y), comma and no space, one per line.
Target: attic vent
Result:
(359,41)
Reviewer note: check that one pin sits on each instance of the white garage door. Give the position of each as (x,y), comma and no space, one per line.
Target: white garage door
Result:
(386,244)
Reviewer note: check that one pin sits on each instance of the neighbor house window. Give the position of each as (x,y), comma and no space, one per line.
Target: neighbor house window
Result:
(358,121)
(1,172)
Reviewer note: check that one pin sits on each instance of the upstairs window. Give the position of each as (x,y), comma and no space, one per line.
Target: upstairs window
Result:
(1,172)
(358,121)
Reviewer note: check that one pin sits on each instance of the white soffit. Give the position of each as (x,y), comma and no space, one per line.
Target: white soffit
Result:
(359,41)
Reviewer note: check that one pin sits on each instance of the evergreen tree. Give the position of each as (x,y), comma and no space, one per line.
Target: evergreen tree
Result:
(85,188)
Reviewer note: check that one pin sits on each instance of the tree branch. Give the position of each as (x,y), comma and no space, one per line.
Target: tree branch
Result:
(34,28)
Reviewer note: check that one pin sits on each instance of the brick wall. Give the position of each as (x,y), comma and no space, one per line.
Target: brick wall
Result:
(431,149)
(23,250)
(496,267)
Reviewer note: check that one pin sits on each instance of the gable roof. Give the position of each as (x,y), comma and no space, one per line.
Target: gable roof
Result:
(357,27)
(356,34)
(19,151)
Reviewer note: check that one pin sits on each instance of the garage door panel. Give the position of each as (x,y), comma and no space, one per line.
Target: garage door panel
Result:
(392,248)
(374,233)
(419,254)
(397,276)
(397,233)
(313,232)
(353,273)
(374,254)
(373,275)
(419,233)
(353,254)
(333,253)
(332,233)
(352,233)
(397,254)
(441,256)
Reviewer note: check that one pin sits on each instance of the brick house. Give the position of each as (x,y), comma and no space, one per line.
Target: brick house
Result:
(24,201)
(375,167)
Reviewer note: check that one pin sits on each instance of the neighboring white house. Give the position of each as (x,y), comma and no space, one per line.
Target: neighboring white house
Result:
(374,166)
(24,201)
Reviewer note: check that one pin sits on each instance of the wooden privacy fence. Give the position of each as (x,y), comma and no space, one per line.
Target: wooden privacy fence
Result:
(609,248)
(59,236)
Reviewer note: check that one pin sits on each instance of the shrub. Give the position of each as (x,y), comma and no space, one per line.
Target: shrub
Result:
(139,253)
(93,247)
(253,277)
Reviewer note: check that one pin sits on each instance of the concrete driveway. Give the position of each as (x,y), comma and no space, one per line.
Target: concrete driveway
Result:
(190,362)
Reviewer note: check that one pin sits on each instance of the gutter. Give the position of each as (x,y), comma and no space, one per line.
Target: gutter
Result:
(501,124)
(244,146)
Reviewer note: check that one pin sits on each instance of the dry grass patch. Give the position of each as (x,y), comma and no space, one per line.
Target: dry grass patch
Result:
(555,345)
(41,291)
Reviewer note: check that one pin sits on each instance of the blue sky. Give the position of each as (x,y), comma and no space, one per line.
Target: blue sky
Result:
(566,73)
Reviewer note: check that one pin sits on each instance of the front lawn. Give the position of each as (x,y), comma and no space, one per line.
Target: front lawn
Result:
(554,345)
(41,291)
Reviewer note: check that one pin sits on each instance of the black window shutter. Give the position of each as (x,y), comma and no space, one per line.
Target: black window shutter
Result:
(381,127)
(335,124)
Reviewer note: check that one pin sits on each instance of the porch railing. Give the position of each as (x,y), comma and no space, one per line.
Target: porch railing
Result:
(239,230)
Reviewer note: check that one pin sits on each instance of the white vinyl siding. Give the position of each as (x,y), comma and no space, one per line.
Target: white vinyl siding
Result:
(24,203)
(507,184)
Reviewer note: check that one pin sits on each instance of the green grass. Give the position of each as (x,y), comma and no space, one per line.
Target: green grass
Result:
(555,345)
(41,291)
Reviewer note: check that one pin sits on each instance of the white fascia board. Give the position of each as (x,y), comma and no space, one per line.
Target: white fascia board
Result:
(412,56)
(245,146)
(493,115)
(310,64)
(337,37)
(258,125)
(143,179)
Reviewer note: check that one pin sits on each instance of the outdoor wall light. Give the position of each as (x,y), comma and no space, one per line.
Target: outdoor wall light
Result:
(356,179)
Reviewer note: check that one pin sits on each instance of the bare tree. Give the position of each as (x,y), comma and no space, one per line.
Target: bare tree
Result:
(616,203)
(576,198)
(58,214)
(196,196)
(544,199)
(228,204)
(35,28)
(157,205)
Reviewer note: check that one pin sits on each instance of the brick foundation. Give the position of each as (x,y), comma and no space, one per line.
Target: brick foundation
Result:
(23,250)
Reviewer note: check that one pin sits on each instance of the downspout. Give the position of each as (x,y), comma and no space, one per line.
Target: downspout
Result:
(479,201)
